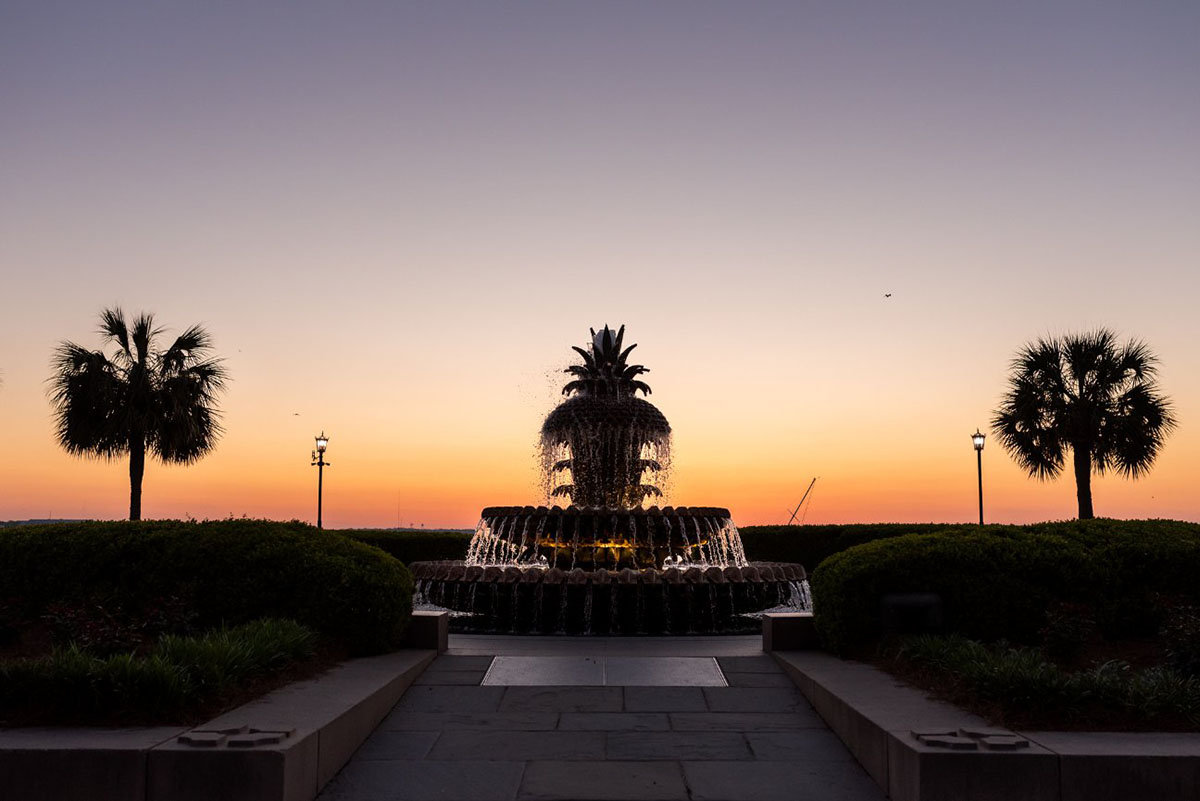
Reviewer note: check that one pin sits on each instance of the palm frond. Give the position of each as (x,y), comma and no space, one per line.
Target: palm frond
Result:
(114,328)
(86,395)
(142,335)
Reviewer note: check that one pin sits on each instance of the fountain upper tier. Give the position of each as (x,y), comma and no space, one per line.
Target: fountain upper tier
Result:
(612,539)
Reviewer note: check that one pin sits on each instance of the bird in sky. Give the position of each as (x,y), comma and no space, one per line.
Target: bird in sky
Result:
(887,294)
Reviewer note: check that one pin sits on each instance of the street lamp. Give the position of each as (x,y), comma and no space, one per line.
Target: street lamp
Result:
(977,441)
(318,460)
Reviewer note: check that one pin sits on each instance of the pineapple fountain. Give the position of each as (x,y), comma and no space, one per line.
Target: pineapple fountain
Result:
(604,563)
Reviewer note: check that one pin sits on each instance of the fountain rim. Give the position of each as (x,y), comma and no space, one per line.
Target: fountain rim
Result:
(651,511)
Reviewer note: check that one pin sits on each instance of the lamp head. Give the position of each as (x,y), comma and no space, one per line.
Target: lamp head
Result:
(322,442)
(977,440)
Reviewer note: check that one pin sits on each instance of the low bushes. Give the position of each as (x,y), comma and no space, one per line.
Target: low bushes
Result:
(414,546)
(1021,689)
(998,581)
(809,545)
(226,572)
(172,679)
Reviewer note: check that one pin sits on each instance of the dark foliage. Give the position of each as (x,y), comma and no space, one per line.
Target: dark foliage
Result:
(1068,630)
(1181,635)
(167,684)
(1019,688)
(413,546)
(998,581)
(106,626)
(235,570)
(809,545)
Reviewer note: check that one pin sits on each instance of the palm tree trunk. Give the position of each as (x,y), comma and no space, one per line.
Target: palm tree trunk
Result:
(1083,480)
(137,468)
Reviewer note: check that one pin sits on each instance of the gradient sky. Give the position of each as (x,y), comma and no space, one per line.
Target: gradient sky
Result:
(395,219)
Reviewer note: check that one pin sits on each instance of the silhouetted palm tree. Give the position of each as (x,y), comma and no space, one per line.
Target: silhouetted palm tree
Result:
(1088,393)
(138,399)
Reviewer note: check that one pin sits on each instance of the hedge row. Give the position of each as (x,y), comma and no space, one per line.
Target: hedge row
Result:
(231,571)
(997,581)
(809,545)
(414,546)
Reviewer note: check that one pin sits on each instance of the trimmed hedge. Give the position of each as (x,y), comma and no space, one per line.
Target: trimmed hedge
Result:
(169,683)
(414,546)
(231,571)
(809,545)
(997,581)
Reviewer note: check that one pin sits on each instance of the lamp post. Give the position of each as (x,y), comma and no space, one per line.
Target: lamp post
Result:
(318,460)
(977,441)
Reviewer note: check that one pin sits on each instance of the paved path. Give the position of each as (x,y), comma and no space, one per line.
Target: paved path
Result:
(454,737)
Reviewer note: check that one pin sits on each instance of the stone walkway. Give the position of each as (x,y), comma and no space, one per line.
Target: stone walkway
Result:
(453,736)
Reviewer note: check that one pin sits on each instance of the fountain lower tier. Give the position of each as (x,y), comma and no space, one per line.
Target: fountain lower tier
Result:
(686,600)
(612,539)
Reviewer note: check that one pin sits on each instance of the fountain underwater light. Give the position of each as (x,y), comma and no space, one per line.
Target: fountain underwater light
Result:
(605,564)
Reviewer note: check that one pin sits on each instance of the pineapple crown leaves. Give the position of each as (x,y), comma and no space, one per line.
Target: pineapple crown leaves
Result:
(606,370)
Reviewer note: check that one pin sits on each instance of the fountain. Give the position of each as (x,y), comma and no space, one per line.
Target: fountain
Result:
(604,564)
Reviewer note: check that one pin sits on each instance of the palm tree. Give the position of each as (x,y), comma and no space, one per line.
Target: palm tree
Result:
(1088,393)
(138,399)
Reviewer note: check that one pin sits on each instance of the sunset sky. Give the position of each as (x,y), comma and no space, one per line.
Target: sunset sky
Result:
(396,218)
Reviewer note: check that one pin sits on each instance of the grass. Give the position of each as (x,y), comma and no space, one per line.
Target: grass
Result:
(1020,687)
(171,682)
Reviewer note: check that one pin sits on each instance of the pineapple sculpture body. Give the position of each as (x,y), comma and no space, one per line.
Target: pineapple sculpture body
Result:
(609,442)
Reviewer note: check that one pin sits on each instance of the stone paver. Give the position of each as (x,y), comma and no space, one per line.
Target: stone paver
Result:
(678,745)
(754,740)
(402,720)
(665,699)
(519,745)
(425,698)
(758,680)
(780,781)
(451,677)
(561,699)
(397,745)
(614,721)
(425,780)
(745,721)
(796,746)
(755,699)
(603,781)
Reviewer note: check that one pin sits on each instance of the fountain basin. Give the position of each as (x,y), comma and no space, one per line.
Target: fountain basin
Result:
(679,600)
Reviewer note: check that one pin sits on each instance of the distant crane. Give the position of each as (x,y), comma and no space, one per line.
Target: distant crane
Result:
(796,511)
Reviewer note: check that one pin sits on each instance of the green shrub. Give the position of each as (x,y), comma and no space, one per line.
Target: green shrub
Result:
(1027,689)
(1181,636)
(232,571)
(414,546)
(178,675)
(809,545)
(1068,630)
(997,581)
